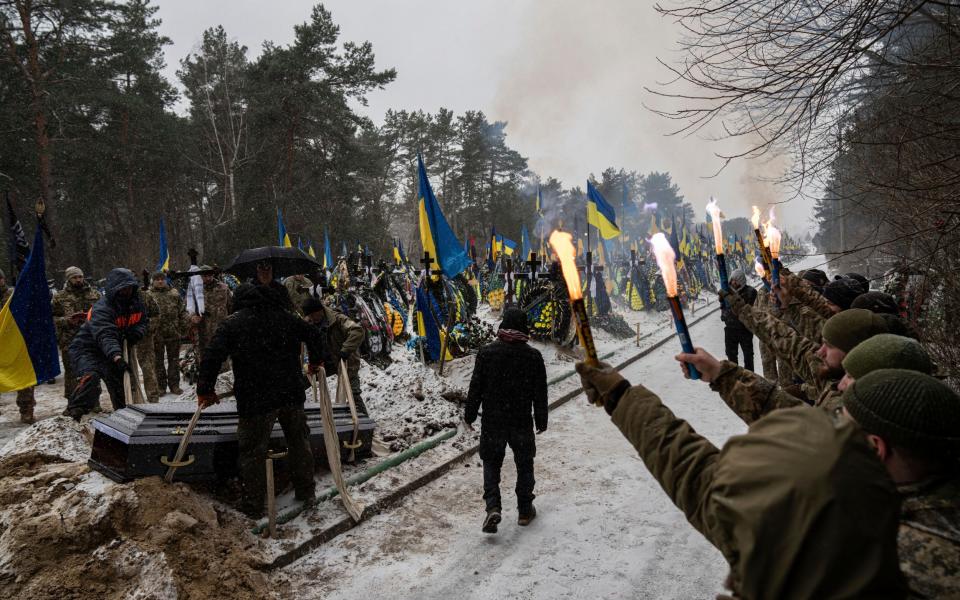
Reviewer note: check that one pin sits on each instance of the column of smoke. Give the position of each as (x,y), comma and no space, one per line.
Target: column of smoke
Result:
(573,93)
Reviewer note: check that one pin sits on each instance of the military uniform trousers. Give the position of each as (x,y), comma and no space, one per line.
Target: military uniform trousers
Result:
(168,371)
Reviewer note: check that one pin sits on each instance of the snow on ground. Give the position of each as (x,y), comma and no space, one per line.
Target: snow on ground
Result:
(605,529)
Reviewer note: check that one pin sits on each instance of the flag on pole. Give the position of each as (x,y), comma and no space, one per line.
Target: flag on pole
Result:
(164,264)
(396,251)
(282,237)
(436,237)
(492,250)
(600,214)
(19,248)
(327,253)
(525,246)
(28,340)
(538,202)
(507,246)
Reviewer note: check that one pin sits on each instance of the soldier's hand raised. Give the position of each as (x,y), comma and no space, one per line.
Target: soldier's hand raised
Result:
(705,362)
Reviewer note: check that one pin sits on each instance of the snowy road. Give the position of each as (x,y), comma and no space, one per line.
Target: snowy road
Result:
(604,530)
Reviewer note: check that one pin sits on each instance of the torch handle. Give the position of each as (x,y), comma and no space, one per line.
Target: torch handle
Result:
(722,268)
(683,332)
(583,330)
(775,273)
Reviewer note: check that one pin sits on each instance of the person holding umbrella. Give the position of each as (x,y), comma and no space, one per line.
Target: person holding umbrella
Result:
(263,342)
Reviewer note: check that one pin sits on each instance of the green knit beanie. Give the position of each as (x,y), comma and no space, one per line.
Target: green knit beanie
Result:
(887,351)
(846,329)
(908,409)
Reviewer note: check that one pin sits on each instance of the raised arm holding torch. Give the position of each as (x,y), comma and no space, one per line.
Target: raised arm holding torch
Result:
(562,244)
(773,236)
(666,259)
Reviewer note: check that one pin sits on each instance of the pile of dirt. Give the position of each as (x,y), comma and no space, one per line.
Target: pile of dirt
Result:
(61,437)
(68,532)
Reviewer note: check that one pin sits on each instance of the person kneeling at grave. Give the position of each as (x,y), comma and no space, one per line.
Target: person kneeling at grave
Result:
(263,342)
(509,382)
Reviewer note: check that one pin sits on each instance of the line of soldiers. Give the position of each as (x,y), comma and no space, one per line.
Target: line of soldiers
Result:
(847,483)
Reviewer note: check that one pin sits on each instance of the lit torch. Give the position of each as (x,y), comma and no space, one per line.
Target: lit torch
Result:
(666,260)
(715,215)
(562,244)
(764,251)
(773,238)
(761,272)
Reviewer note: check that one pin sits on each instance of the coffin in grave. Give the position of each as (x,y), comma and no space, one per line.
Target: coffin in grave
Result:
(138,440)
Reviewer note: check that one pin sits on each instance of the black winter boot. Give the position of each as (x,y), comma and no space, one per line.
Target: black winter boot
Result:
(526,516)
(491,521)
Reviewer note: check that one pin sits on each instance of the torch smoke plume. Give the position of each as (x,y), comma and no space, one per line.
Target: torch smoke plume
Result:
(562,244)
(715,215)
(666,259)
(755,218)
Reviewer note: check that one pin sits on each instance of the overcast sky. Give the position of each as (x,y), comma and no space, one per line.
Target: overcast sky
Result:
(568,76)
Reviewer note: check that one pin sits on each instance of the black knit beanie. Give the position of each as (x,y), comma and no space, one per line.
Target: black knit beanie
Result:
(907,409)
(815,276)
(311,305)
(516,319)
(863,281)
(842,292)
(877,302)
(845,330)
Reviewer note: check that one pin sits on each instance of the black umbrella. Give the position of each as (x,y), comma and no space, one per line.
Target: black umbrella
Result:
(285,262)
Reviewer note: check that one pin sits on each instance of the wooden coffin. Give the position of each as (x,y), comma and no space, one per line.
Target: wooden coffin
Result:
(133,442)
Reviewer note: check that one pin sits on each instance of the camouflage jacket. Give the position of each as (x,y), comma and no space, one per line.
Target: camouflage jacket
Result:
(751,396)
(172,317)
(67,302)
(216,302)
(298,291)
(152,308)
(802,291)
(929,537)
(798,351)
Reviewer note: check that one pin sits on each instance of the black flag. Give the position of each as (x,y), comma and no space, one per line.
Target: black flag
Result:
(19,248)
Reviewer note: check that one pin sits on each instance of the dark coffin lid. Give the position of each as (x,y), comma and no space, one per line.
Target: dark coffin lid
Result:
(159,423)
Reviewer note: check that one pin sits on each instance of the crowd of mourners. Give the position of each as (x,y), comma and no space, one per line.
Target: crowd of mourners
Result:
(846,484)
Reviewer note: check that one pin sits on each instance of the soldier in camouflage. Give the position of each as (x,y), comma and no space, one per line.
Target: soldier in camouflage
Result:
(342,337)
(298,288)
(145,349)
(216,307)
(912,420)
(171,325)
(70,306)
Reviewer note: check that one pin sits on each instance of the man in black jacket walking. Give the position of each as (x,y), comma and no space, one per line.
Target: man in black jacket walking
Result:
(509,381)
(263,341)
(97,350)
(736,335)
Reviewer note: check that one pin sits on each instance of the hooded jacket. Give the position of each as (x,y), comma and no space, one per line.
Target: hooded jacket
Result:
(510,382)
(263,341)
(111,320)
(800,506)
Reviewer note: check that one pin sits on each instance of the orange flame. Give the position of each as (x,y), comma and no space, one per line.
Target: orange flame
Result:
(715,215)
(773,240)
(666,260)
(562,244)
(755,218)
(758,267)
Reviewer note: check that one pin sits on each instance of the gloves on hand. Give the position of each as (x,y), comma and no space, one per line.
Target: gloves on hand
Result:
(121,364)
(206,400)
(598,382)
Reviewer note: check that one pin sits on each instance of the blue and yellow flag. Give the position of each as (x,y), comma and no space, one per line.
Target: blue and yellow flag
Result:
(403,255)
(327,253)
(396,251)
(310,251)
(427,326)
(507,246)
(538,203)
(28,340)
(282,238)
(525,246)
(600,214)
(435,234)
(164,264)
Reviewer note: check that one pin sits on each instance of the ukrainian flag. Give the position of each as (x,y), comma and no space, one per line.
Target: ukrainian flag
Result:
(508,246)
(403,255)
(28,341)
(282,238)
(396,251)
(525,246)
(164,264)
(600,214)
(327,253)
(310,249)
(436,237)
(538,203)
